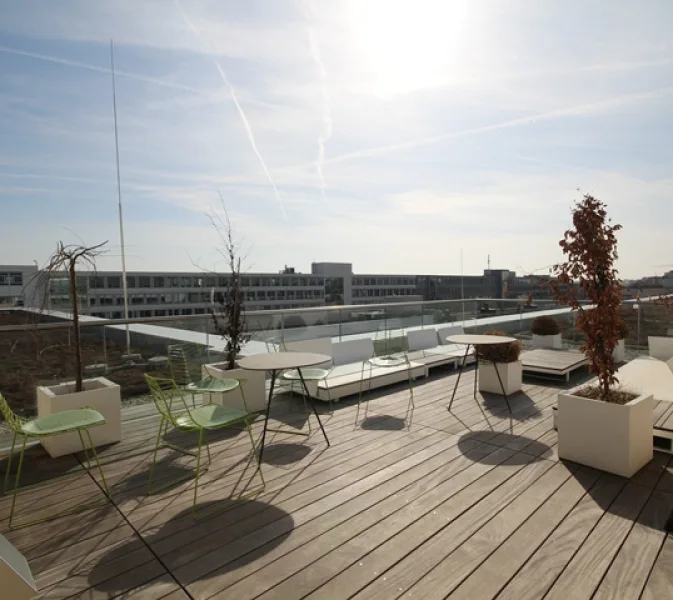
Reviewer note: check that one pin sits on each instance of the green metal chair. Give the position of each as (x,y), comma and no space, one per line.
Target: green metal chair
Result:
(186,362)
(390,351)
(204,418)
(79,420)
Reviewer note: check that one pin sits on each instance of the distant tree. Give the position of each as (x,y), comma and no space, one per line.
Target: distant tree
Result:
(591,251)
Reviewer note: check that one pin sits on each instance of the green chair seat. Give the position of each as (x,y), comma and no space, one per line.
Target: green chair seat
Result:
(212,385)
(80,420)
(63,422)
(307,374)
(210,416)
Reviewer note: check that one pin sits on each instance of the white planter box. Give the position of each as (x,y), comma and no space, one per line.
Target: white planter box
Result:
(99,393)
(619,353)
(510,373)
(660,347)
(548,341)
(254,390)
(612,437)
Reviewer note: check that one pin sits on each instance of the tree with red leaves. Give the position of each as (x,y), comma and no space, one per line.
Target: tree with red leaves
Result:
(591,251)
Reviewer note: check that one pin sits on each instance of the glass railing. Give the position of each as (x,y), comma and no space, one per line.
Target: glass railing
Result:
(38,349)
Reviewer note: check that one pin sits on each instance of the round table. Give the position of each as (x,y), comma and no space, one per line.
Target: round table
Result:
(468,339)
(275,362)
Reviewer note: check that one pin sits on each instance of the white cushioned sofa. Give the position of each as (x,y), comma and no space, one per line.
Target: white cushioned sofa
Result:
(430,348)
(346,366)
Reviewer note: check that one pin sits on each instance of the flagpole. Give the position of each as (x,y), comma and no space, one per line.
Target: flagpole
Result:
(462,288)
(119,197)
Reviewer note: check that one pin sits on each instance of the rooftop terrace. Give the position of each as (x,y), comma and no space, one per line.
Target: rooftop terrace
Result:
(467,504)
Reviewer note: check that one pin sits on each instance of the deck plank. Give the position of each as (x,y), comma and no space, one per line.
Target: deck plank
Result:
(538,574)
(630,570)
(660,581)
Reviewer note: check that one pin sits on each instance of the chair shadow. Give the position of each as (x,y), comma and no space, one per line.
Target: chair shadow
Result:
(135,553)
(529,450)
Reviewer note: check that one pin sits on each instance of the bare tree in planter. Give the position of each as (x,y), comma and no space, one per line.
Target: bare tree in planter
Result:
(67,259)
(228,310)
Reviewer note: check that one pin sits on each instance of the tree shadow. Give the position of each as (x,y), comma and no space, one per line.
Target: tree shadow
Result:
(106,571)
(527,450)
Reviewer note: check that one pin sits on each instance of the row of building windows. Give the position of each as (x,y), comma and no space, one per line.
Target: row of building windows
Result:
(380,293)
(365,281)
(11,278)
(157,281)
(204,297)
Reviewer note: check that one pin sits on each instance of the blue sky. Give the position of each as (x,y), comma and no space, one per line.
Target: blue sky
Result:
(388,134)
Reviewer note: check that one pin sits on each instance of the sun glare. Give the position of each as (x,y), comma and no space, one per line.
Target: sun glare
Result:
(406,45)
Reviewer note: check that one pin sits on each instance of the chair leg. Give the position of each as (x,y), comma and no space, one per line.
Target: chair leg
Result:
(9,464)
(16,482)
(410,406)
(100,468)
(86,454)
(362,376)
(198,467)
(205,438)
(154,457)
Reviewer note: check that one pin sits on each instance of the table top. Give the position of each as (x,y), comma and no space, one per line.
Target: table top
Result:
(277,361)
(479,340)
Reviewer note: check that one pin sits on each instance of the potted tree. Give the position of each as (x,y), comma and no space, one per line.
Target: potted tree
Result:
(546,333)
(97,392)
(599,425)
(504,358)
(228,314)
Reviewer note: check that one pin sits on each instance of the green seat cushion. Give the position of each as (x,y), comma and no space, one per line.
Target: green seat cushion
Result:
(308,374)
(210,416)
(64,421)
(213,385)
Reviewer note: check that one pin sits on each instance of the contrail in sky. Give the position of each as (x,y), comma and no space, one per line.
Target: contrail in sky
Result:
(244,119)
(88,67)
(326,132)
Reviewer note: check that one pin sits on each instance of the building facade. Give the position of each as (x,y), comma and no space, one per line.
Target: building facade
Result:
(19,285)
(154,294)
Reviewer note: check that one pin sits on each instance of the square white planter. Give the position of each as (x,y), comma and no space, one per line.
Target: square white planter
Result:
(99,393)
(616,438)
(548,341)
(510,373)
(254,389)
(660,347)
(619,353)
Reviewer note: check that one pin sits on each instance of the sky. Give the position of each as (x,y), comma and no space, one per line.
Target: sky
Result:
(410,136)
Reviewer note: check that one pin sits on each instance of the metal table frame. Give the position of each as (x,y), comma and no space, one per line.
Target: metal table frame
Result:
(274,376)
(476,378)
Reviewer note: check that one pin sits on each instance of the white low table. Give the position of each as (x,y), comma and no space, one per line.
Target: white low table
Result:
(275,363)
(478,340)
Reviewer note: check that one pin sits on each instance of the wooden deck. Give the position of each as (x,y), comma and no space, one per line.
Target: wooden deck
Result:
(465,504)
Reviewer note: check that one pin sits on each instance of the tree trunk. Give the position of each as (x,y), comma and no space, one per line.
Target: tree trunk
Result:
(75,324)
